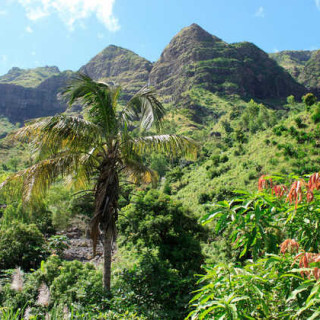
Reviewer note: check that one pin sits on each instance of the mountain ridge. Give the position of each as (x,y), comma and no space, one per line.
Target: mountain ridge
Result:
(193,58)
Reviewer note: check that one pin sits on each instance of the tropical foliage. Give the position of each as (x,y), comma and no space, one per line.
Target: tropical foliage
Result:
(265,283)
(96,152)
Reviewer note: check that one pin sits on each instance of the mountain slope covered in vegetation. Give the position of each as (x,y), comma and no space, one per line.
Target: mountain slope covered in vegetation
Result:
(243,214)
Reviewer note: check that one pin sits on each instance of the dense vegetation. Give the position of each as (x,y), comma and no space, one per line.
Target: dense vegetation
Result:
(192,247)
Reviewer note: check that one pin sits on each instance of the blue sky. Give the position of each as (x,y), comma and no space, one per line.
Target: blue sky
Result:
(68,33)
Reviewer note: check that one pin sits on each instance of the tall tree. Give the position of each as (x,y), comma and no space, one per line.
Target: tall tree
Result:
(96,150)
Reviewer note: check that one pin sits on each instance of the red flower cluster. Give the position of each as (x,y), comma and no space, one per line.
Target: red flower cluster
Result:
(297,191)
(263,183)
(314,182)
(279,190)
(305,258)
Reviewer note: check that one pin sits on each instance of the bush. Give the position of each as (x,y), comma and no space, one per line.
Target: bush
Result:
(279,130)
(316,115)
(22,246)
(70,283)
(154,289)
(40,216)
(299,122)
(309,99)
(154,221)
(203,198)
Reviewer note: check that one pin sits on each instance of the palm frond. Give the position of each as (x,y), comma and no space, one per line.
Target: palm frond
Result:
(97,97)
(146,108)
(66,132)
(172,145)
(52,134)
(32,183)
(137,172)
(31,130)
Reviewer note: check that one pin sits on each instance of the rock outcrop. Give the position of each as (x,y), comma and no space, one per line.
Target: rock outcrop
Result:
(19,103)
(119,66)
(304,66)
(195,57)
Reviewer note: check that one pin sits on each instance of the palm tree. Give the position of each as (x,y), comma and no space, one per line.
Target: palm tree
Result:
(96,150)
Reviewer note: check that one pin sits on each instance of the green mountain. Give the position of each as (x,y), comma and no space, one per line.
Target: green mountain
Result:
(310,76)
(119,66)
(304,66)
(293,61)
(196,58)
(194,65)
(19,103)
(30,78)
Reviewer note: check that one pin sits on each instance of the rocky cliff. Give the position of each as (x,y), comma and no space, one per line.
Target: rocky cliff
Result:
(304,66)
(193,59)
(119,66)
(196,58)
(19,103)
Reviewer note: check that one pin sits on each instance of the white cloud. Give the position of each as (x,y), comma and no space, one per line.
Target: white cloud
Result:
(29,29)
(33,53)
(317,2)
(3,58)
(261,12)
(100,35)
(72,11)
(3,12)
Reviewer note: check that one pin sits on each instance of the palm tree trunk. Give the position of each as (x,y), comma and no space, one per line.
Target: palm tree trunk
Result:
(105,217)
(107,252)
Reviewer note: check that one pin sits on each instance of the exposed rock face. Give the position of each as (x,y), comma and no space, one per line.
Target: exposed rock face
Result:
(18,103)
(261,77)
(119,66)
(292,61)
(304,66)
(194,57)
(310,75)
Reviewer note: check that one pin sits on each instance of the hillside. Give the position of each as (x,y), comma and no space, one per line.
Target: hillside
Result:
(193,60)
(293,61)
(236,153)
(304,66)
(30,78)
(163,210)
(119,66)
(196,58)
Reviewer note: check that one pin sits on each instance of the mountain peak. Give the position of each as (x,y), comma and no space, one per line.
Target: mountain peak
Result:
(121,66)
(196,33)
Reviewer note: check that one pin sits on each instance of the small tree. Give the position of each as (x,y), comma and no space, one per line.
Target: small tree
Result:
(291,101)
(309,99)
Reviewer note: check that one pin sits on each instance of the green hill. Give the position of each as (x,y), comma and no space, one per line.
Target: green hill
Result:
(30,78)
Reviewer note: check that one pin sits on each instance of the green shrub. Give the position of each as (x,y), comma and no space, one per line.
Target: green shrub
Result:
(316,115)
(40,216)
(71,283)
(22,246)
(279,130)
(309,99)
(203,198)
(154,289)
(77,283)
(154,221)
(299,123)
(57,244)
